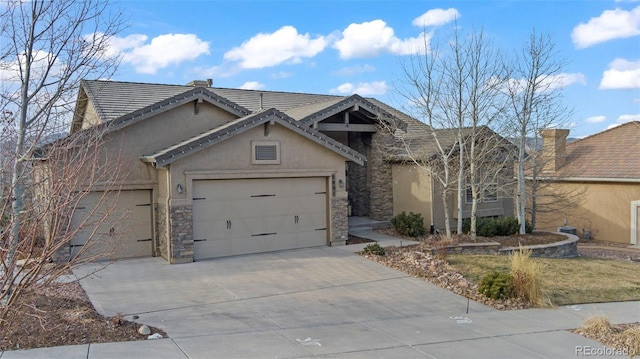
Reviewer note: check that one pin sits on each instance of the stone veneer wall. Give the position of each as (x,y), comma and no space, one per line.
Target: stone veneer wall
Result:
(181,220)
(339,221)
(162,242)
(358,187)
(567,248)
(381,186)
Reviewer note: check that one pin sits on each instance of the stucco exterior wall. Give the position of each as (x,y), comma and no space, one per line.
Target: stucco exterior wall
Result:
(412,191)
(163,231)
(299,157)
(605,209)
(159,132)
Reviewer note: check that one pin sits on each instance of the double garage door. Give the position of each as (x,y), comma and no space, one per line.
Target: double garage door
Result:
(113,225)
(242,216)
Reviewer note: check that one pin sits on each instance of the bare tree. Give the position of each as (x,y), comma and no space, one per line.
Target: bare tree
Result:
(48,47)
(59,181)
(433,151)
(535,96)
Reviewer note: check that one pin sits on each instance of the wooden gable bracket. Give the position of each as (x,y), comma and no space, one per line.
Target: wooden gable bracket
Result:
(196,106)
(266,127)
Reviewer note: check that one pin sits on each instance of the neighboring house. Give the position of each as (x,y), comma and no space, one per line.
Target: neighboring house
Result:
(605,170)
(214,172)
(417,189)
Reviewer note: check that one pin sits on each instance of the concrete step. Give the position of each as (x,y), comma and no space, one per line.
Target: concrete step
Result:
(361,223)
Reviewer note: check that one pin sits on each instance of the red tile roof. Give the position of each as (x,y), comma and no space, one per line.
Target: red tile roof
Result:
(611,154)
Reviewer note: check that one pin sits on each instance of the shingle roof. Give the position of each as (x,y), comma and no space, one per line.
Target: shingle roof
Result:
(113,99)
(611,154)
(127,102)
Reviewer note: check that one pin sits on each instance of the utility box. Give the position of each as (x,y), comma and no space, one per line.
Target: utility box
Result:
(568,229)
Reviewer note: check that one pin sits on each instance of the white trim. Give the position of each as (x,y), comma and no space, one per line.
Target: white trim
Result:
(635,207)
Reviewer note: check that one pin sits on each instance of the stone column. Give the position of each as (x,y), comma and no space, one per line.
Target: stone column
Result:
(380,172)
(181,230)
(339,220)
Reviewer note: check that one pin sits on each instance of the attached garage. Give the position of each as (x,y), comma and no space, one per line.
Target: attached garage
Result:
(116,224)
(242,216)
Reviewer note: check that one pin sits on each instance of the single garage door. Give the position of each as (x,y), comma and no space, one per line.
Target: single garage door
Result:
(116,224)
(243,216)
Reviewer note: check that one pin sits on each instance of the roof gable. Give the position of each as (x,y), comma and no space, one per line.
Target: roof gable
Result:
(320,111)
(122,104)
(205,140)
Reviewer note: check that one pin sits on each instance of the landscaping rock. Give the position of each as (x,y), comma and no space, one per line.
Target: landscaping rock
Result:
(144,330)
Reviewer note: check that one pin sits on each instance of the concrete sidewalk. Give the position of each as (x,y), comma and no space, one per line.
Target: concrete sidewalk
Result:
(317,303)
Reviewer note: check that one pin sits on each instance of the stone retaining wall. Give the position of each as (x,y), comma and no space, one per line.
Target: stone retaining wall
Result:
(567,248)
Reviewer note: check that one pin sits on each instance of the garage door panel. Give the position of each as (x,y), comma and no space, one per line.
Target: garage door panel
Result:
(210,247)
(113,225)
(265,215)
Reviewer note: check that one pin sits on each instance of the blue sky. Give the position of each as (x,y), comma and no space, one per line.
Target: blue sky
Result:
(345,47)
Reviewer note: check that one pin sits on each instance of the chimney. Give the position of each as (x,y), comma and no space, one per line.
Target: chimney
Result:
(201,83)
(554,149)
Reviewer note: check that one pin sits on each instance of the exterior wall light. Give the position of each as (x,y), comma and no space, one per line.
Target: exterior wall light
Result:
(341,183)
(179,188)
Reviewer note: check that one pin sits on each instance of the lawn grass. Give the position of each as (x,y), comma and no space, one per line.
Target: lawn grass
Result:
(565,281)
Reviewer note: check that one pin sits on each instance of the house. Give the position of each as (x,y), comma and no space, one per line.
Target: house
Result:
(213,172)
(604,170)
(417,188)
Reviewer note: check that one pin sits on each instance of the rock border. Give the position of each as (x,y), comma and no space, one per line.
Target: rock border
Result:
(567,248)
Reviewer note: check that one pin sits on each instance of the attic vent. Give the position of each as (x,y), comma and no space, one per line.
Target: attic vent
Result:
(265,152)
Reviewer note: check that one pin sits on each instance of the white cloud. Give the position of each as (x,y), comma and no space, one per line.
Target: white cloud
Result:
(624,119)
(252,85)
(622,74)
(611,24)
(628,118)
(596,119)
(551,82)
(284,45)
(369,39)
(566,79)
(42,63)
(362,88)
(281,75)
(436,17)
(162,51)
(354,70)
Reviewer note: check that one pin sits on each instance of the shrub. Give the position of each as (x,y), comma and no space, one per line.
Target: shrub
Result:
(497,285)
(374,249)
(411,224)
(495,226)
(527,278)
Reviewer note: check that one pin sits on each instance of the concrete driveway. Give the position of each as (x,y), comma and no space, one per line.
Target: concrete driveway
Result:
(317,302)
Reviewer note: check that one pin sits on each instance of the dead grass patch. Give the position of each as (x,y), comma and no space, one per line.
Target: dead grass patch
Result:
(624,337)
(566,281)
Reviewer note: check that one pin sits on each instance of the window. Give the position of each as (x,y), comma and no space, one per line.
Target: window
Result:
(265,153)
(490,193)
(469,194)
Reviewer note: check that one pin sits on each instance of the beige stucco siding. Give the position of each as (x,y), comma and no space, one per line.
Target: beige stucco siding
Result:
(605,209)
(298,155)
(159,132)
(90,116)
(412,191)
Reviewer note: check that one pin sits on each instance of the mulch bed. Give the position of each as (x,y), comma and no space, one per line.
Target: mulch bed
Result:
(63,315)
(357,240)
